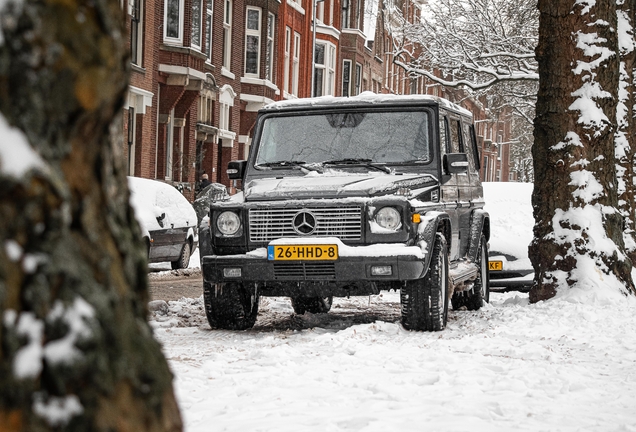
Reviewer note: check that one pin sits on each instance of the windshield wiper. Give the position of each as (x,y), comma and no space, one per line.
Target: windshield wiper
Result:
(360,162)
(287,164)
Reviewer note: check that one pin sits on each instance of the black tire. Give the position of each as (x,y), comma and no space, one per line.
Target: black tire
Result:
(312,305)
(230,306)
(425,301)
(480,292)
(184,258)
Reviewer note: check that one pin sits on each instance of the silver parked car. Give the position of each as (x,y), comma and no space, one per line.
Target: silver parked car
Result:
(510,209)
(168,221)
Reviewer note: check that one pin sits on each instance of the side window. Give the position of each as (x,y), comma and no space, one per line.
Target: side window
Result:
(443,135)
(455,136)
(469,147)
(473,140)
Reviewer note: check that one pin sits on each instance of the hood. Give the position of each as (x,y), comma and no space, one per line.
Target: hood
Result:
(336,186)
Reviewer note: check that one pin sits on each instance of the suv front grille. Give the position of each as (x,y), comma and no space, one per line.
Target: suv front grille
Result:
(273,223)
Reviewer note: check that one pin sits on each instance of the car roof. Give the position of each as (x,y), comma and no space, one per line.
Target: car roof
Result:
(363,100)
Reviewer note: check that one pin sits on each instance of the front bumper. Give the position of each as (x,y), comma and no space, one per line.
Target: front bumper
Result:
(354,264)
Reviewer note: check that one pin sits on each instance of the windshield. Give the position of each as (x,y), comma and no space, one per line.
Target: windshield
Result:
(373,136)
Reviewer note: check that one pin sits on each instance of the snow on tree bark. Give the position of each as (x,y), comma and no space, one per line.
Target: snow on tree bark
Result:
(76,351)
(578,228)
(625,150)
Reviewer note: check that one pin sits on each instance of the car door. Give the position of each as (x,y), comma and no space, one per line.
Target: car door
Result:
(464,187)
(448,185)
(477,191)
(162,247)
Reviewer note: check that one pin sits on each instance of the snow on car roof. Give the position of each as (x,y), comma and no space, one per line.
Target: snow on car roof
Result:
(152,198)
(363,99)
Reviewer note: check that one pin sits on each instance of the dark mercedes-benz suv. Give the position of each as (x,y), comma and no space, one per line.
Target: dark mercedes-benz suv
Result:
(346,197)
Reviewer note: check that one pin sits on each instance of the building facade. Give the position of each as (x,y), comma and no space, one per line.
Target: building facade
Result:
(201,69)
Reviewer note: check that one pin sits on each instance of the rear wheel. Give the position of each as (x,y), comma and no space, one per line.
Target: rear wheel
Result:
(425,301)
(184,258)
(230,306)
(312,305)
(481,288)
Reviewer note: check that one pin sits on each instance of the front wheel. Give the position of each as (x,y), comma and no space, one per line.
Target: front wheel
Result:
(230,306)
(312,305)
(425,301)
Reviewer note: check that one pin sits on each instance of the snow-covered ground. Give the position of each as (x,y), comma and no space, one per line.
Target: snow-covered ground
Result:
(560,365)
(568,364)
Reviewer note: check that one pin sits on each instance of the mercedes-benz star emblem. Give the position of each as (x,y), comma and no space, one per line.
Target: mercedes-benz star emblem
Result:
(304,223)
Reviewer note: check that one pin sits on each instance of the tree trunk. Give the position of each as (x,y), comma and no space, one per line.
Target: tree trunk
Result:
(578,232)
(625,145)
(76,351)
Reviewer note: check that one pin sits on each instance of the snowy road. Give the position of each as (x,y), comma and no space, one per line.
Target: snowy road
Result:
(564,365)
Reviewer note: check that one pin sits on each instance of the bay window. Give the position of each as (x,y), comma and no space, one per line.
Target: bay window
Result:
(173,21)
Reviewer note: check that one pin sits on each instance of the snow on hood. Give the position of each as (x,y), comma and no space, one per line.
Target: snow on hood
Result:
(315,185)
(151,199)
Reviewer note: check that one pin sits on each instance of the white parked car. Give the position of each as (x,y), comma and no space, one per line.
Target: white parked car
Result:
(511,222)
(168,221)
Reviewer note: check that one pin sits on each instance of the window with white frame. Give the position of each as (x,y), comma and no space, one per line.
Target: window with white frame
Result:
(346,78)
(169,146)
(132,130)
(331,70)
(296,64)
(206,108)
(224,116)
(269,52)
(319,69)
(227,34)
(208,29)
(358,81)
(346,14)
(136,32)
(331,2)
(287,59)
(324,69)
(320,12)
(173,21)
(252,40)
(197,17)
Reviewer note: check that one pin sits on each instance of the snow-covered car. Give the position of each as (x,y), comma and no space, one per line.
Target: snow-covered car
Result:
(511,222)
(207,195)
(348,197)
(168,221)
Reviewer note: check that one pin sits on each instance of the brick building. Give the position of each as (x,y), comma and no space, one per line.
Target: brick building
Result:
(201,69)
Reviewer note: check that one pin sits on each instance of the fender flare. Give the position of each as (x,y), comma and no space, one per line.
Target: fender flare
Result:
(479,223)
(431,223)
(205,239)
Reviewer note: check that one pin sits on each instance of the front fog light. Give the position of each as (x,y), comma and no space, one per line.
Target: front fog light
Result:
(381,270)
(232,272)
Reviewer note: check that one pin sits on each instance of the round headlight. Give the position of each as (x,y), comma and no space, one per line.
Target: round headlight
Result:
(388,218)
(228,223)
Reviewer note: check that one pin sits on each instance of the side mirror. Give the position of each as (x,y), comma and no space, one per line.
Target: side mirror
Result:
(455,163)
(236,169)
(160,219)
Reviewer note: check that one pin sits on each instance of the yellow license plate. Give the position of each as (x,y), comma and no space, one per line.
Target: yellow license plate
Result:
(495,265)
(302,252)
